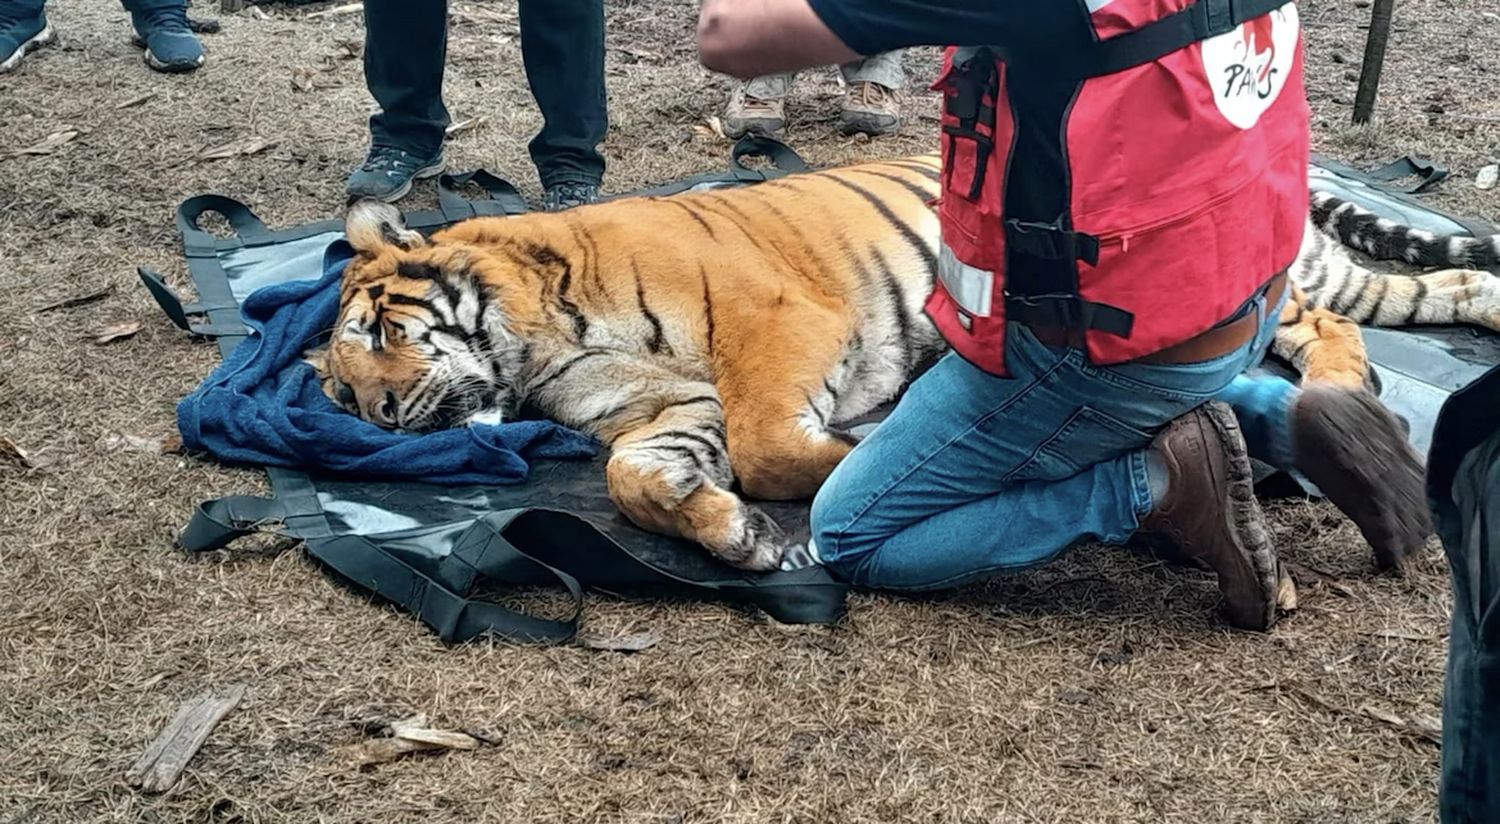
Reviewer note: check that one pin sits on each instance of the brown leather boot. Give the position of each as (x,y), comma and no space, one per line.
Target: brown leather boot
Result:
(1209,514)
(1349,444)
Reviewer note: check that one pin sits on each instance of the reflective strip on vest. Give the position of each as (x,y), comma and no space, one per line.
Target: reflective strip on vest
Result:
(973,289)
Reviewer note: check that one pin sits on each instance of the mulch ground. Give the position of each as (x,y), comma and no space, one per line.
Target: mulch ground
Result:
(1100,688)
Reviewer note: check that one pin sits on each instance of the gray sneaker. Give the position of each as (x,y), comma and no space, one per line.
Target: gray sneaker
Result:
(870,108)
(747,114)
(388,172)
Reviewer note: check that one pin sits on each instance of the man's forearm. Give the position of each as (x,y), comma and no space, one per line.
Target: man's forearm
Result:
(749,38)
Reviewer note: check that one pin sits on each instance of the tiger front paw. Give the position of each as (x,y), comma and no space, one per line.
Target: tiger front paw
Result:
(758,542)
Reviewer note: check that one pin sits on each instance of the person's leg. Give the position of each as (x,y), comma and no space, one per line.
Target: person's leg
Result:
(23,28)
(1464,506)
(870,104)
(972,474)
(162,30)
(758,106)
(562,46)
(406,47)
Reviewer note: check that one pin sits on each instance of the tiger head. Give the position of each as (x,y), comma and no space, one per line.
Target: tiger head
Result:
(420,342)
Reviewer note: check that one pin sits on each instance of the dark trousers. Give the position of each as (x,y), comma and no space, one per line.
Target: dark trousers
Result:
(562,45)
(34,6)
(1464,487)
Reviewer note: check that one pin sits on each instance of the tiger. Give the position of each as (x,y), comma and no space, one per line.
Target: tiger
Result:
(717,342)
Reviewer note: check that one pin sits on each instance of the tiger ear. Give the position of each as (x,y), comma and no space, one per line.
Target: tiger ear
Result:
(373,226)
(318,360)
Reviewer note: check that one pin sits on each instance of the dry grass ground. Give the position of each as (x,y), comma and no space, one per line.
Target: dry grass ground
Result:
(1098,689)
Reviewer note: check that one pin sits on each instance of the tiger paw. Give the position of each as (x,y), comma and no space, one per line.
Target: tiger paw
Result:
(758,545)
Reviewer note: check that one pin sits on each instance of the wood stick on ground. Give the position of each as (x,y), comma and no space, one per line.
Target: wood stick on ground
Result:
(162,763)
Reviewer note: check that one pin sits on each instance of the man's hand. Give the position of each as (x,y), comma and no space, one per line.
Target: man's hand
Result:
(749,38)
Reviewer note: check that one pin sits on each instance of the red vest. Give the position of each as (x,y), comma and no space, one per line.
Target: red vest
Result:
(1137,173)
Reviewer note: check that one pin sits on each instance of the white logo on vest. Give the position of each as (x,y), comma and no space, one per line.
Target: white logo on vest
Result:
(1248,67)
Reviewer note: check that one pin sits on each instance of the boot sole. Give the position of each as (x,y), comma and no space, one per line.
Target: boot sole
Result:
(1356,452)
(1244,520)
(42,38)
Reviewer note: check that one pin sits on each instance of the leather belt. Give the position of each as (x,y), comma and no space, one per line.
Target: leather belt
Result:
(1216,342)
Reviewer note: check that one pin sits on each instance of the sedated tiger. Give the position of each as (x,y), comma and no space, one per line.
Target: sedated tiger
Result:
(714,339)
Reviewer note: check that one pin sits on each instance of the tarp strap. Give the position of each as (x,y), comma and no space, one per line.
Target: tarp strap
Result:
(453,617)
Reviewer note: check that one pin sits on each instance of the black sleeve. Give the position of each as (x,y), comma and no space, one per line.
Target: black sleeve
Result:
(874,27)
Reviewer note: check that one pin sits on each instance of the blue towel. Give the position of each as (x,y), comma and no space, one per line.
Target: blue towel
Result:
(265,406)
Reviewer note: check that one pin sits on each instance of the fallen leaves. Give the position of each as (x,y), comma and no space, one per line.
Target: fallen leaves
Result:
(122,442)
(116,331)
(304,79)
(468,125)
(136,101)
(635,642)
(78,300)
(713,127)
(408,736)
(51,142)
(1425,727)
(245,146)
(11,454)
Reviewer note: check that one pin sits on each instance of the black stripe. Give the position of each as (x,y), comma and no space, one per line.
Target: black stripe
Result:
(691,213)
(1319,276)
(832,393)
(545,256)
(1338,303)
(658,339)
(822,419)
(708,308)
(897,297)
(398,299)
(912,238)
(1416,303)
(1385,289)
(563,369)
(712,447)
(921,194)
(411,270)
(737,219)
(695,399)
(676,450)
(1302,349)
(926,171)
(809,253)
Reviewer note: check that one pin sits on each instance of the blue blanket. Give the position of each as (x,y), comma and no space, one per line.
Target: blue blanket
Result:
(265,406)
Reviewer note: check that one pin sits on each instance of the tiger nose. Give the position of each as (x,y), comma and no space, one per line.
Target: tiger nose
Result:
(346,395)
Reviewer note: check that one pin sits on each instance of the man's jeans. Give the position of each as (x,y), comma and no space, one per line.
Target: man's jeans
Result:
(973,474)
(562,45)
(884,69)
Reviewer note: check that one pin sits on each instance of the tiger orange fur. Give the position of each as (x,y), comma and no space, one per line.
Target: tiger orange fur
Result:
(714,339)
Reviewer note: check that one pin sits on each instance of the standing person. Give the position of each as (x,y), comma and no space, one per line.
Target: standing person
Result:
(869,105)
(1463,485)
(1121,200)
(162,32)
(562,47)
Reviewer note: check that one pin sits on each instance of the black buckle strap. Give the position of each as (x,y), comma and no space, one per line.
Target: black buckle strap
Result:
(1199,21)
(1060,310)
(1048,241)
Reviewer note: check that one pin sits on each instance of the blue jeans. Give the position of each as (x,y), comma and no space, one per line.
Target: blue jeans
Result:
(973,474)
